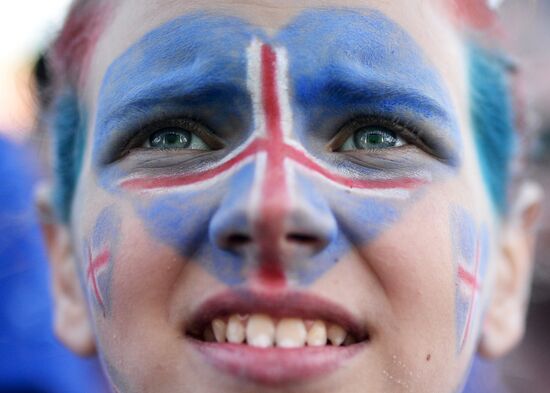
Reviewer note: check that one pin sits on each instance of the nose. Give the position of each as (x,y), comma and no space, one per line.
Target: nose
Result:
(276,233)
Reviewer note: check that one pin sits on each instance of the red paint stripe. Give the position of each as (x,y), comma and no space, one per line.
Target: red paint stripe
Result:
(93,270)
(290,152)
(146,183)
(467,278)
(302,159)
(473,283)
(274,201)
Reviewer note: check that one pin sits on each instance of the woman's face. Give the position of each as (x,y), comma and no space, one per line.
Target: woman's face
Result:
(282,197)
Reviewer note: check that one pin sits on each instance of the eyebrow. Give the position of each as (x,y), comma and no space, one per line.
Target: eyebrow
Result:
(180,68)
(179,92)
(346,89)
(359,63)
(187,94)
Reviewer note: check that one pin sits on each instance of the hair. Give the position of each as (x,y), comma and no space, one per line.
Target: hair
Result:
(495,111)
(66,64)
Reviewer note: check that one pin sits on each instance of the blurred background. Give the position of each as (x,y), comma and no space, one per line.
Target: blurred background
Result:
(31,360)
(26,27)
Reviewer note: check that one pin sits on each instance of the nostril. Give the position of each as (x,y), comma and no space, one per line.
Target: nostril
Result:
(238,240)
(302,239)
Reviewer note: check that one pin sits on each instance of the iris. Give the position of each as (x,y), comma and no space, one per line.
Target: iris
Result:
(169,138)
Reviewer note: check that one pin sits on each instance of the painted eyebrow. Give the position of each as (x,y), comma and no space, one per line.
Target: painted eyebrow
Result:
(155,93)
(375,92)
(347,86)
(156,100)
(423,108)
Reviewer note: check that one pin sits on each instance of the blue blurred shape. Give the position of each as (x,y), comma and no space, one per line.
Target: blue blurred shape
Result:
(31,359)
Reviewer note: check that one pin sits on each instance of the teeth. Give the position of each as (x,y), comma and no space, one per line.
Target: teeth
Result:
(235,330)
(260,331)
(336,334)
(219,327)
(317,334)
(291,333)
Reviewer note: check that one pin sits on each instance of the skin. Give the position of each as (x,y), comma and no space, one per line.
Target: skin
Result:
(404,238)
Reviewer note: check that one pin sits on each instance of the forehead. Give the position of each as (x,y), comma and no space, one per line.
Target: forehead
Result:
(425,21)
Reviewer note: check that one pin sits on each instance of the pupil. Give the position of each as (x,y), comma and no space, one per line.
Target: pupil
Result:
(375,139)
(171,139)
(368,138)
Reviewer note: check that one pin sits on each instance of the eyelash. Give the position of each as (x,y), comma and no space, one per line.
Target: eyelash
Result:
(141,136)
(408,133)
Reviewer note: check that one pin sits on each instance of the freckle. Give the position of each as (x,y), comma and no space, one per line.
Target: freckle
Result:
(428,357)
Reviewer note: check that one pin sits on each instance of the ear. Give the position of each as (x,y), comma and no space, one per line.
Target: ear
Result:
(504,323)
(71,319)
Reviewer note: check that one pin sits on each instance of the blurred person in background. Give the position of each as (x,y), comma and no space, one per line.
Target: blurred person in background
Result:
(31,359)
(527,368)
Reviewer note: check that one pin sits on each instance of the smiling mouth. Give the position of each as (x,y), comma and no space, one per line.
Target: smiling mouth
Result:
(264,331)
(275,339)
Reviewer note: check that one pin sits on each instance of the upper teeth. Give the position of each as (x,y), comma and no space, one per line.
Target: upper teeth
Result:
(260,330)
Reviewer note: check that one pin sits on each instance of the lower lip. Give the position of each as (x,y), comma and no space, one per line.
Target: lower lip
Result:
(276,366)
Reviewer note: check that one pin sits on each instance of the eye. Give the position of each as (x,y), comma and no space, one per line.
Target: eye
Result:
(174,137)
(178,134)
(371,138)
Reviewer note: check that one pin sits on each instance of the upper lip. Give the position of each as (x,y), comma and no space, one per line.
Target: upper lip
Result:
(277,305)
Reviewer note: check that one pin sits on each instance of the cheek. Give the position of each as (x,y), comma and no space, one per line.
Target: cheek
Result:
(431,267)
(414,262)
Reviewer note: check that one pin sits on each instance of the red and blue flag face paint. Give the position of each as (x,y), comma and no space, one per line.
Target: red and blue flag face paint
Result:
(471,244)
(100,255)
(276,103)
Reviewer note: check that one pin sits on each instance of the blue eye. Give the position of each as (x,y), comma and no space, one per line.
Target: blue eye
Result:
(371,138)
(171,138)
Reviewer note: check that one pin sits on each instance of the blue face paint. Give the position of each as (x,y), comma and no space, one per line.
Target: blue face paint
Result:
(68,126)
(100,253)
(193,67)
(198,67)
(492,120)
(471,251)
(346,64)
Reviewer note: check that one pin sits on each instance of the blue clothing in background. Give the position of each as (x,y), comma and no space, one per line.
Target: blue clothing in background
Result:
(31,358)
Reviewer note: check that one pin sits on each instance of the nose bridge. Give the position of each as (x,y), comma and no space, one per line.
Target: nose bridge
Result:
(272,220)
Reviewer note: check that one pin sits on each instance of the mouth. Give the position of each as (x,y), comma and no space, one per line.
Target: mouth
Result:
(275,338)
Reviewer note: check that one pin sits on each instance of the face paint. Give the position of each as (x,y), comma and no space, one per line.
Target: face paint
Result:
(275,177)
(343,67)
(100,253)
(471,243)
